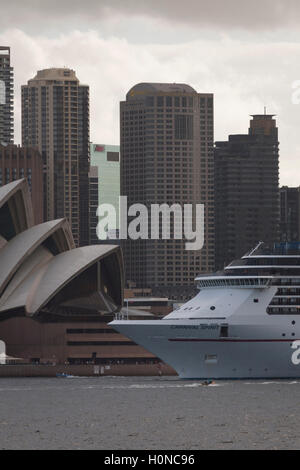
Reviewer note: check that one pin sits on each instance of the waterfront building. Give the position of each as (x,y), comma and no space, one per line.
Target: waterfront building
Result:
(289,214)
(166,146)
(56,299)
(6,97)
(247,189)
(55,119)
(18,162)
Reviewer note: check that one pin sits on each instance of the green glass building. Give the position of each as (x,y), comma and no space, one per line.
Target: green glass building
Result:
(107,159)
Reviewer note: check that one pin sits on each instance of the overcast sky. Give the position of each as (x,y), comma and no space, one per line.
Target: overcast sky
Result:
(246,53)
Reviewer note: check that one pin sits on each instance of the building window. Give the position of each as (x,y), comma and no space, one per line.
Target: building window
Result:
(149,100)
(183,127)
(112,156)
(160,101)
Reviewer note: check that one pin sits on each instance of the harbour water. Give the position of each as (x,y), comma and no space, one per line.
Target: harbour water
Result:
(166,413)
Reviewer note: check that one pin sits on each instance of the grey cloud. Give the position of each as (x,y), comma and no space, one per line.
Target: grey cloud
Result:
(244,76)
(225,14)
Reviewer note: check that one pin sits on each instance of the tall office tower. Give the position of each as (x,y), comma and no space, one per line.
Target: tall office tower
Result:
(6,97)
(167,158)
(18,162)
(289,214)
(55,118)
(246,190)
(107,159)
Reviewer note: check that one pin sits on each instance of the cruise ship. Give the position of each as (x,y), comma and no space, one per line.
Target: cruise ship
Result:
(243,323)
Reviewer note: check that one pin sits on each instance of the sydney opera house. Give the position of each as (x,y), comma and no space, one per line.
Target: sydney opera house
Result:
(56,299)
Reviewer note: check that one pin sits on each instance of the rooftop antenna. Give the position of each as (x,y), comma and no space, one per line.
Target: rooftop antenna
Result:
(265,110)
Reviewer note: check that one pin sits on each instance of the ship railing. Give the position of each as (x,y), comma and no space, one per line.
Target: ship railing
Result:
(122,314)
(260,283)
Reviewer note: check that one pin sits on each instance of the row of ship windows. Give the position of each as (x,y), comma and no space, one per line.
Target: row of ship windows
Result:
(287,281)
(283,310)
(288,291)
(273,262)
(271,271)
(285,301)
(270,310)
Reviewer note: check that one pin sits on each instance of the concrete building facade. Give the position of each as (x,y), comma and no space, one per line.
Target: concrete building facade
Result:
(247,190)
(166,139)
(55,119)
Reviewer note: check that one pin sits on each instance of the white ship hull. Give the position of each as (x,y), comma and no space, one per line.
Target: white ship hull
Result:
(244,323)
(196,350)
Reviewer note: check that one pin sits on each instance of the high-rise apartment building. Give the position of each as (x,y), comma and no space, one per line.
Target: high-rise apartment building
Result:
(55,119)
(289,214)
(167,158)
(6,97)
(246,190)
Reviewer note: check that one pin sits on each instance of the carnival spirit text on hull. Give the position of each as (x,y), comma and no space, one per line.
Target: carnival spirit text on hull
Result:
(244,322)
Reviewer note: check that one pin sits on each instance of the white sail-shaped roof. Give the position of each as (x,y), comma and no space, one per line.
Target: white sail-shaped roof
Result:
(16,195)
(38,262)
(62,269)
(23,245)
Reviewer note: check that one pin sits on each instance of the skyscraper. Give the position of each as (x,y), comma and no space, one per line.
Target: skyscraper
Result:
(289,214)
(107,160)
(167,158)
(246,190)
(55,118)
(6,97)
